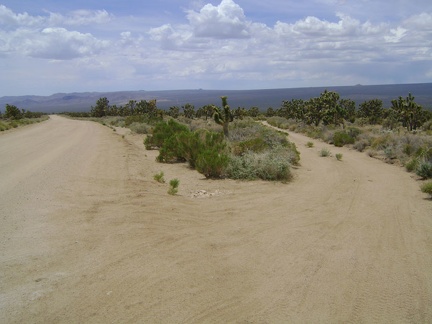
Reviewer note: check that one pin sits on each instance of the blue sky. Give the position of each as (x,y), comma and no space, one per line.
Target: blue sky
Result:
(50,46)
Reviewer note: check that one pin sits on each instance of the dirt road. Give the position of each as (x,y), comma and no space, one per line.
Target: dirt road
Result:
(87,236)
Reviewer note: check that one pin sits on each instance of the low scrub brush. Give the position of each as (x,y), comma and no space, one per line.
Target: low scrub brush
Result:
(174,184)
(325,152)
(427,188)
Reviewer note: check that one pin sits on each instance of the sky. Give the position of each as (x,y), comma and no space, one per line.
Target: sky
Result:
(51,46)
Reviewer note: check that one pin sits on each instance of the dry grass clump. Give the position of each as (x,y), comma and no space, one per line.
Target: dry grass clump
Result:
(141,128)
(201,123)
(281,122)
(274,165)
(427,188)
(258,152)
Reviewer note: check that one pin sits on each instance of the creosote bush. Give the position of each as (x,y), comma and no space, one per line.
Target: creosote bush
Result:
(205,151)
(342,138)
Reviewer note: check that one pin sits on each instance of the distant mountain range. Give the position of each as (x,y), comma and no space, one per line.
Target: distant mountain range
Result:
(263,99)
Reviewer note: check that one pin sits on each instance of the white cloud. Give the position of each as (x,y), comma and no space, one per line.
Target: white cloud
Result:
(11,20)
(80,18)
(8,19)
(395,35)
(51,43)
(222,46)
(227,20)
(43,37)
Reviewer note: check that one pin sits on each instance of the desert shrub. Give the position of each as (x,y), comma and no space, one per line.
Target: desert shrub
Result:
(159,177)
(140,128)
(412,165)
(390,152)
(310,144)
(141,119)
(427,188)
(424,169)
(198,148)
(272,165)
(325,152)
(200,123)
(162,132)
(354,132)
(427,125)
(3,126)
(342,138)
(420,160)
(171,151)
(256,144)
(242,130)
(187,146)
(247,135)
(203,150)
(339,156)
(212,163)
(281,122)
(313,132)
(381,142)
(361,145)
(212,158)
(174,184)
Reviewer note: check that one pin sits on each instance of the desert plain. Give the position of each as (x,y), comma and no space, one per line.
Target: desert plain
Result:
(88,236)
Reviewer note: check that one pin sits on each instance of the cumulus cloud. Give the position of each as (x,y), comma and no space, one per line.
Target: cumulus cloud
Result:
(213,44)
(227,20)
(61,44)
(42,37)
(9,19)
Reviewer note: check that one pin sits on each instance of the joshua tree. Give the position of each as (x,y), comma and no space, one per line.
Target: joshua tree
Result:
(223,117)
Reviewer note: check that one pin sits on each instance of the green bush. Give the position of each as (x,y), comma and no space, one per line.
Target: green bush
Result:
(159,177)
(173,189)
(339,156)
(256,144)
(171,151)
(342,138)
(203,150)
(427,188)
(212,163)
(162,132)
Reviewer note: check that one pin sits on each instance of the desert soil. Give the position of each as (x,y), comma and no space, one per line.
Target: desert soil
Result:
(88,236)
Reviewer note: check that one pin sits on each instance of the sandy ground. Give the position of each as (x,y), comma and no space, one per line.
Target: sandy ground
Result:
(87,236)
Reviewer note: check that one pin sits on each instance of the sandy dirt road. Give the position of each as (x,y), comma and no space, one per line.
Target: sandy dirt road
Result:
(87,236)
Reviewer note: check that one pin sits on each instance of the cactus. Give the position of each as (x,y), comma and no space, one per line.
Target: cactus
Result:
(223,117)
